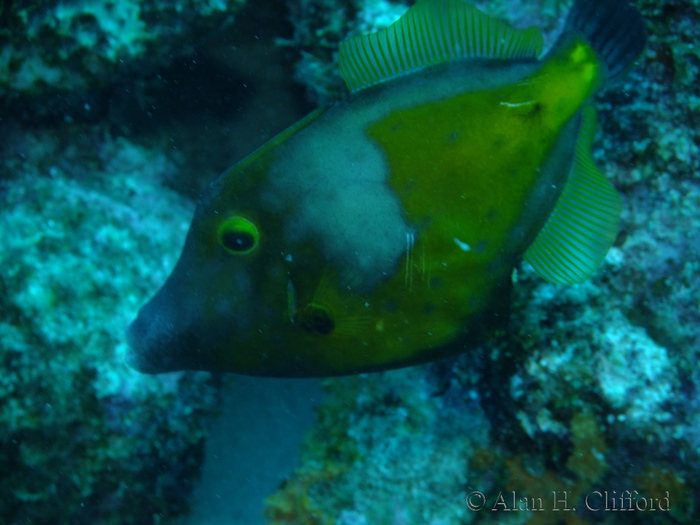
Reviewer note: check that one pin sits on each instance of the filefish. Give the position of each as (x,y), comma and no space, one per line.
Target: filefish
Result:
(382,231)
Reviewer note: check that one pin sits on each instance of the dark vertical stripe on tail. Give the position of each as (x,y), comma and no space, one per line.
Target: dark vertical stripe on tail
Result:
(614,28)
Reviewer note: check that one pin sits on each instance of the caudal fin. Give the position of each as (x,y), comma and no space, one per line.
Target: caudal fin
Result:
(614,28)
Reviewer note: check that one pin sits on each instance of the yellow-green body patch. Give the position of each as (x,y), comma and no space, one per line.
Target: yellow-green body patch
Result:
(383,230)
(465,179)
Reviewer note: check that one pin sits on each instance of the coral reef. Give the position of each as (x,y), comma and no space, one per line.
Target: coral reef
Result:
(388,448)
(108,105)
(76,44)
(87,235)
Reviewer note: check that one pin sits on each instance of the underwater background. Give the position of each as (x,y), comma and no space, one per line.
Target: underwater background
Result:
(114,115)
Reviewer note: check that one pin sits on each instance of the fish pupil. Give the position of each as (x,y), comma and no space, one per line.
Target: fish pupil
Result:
(238,241)
(315,318)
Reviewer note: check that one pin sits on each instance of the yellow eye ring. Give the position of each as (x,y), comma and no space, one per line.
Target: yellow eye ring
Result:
(238,235)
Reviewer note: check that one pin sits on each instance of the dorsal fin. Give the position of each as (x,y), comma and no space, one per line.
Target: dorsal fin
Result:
(432,31)
(583,225)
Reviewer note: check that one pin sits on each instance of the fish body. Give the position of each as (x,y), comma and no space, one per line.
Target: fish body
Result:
(382,231)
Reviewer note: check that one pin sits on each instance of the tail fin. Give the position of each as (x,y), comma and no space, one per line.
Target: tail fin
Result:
(614,28)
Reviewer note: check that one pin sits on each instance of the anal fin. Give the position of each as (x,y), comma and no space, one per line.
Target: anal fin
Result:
(584,223)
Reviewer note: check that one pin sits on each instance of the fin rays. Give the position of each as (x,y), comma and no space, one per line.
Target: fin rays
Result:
(583,224)
(432,31)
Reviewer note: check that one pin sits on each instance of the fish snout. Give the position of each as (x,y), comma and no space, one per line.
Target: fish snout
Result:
(160,340)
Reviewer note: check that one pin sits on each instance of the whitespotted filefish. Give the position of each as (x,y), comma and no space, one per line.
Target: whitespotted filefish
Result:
(382,231)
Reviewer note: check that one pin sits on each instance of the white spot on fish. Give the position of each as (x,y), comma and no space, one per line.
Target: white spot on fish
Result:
(517,105)
(462,245)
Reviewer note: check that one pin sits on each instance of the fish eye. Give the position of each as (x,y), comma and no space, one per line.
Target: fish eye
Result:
(238,235)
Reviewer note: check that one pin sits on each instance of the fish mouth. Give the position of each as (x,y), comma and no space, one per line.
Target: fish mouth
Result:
(146,353)
(157,344)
